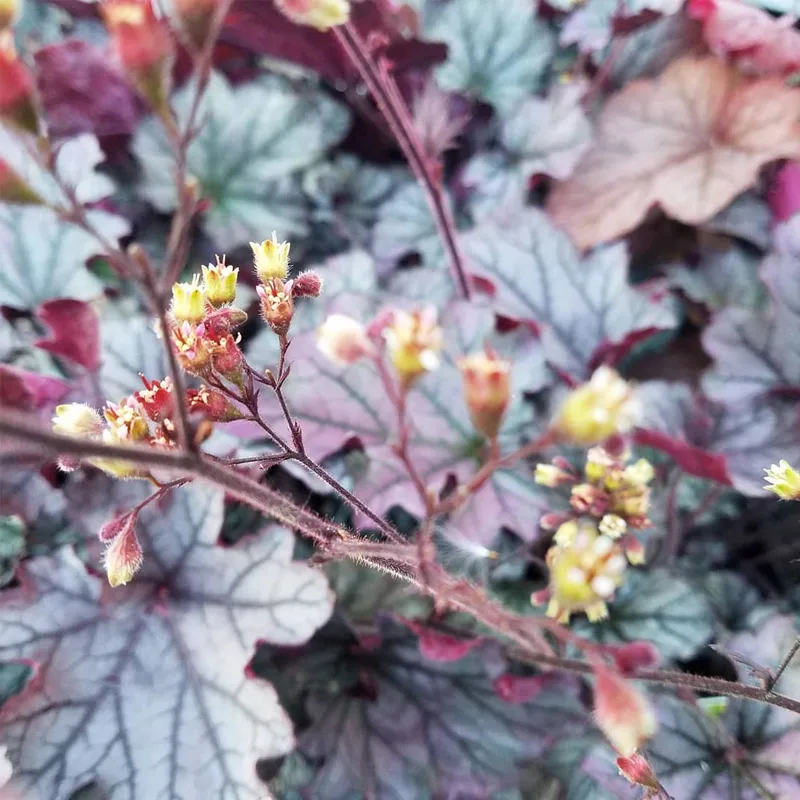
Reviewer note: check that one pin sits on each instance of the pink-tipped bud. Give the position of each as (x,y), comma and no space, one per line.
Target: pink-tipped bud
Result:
(621,711)
(487,389)
(123,557)
(636,769)
(343,340)
(307,284)
(115,526)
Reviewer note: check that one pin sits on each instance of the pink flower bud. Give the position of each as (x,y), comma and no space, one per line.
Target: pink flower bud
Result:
(227,358)
(114,527)
(621,711)
(636,769)
(307,284)
(487,386)
(212,404)
(123,557)
(634,656)
(343,340)
(277,306)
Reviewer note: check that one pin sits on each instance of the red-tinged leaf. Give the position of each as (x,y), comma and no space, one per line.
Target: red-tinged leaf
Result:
(158,665)
(580,305)
(258,27)
(438,646)
(688,141)
(756,41)
(635,656)
(691,459)
(784,194)
(520,688)
(611,353)
(26,390)
(83,93)
(74,331)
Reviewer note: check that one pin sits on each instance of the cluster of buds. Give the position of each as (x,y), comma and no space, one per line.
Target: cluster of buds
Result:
(144,417)
(320,14)
(586,568)
(275,291)
(411,340)
(145,48)
(783,480)
(203,323)
(604,406)
(18,103)
(612,491)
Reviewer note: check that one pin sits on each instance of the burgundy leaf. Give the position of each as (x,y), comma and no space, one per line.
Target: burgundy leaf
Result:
(74,331)
(691,459)
(438,646)
(25,390)
(82,93)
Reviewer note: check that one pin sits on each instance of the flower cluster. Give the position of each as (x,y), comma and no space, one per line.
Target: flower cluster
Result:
(594,543)
(276,293)
(783,480)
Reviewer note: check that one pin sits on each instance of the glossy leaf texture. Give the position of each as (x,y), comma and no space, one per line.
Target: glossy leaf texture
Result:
(144,689)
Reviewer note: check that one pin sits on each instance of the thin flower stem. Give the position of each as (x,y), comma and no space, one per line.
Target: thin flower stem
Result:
(381,86)
(782,667)
(398,559)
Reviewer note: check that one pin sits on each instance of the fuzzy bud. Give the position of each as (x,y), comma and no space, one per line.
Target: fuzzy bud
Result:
(17,93)
(145,48)
(413,342)
(621,711)
(213,405)
(227,358)
(271,259)
(487,386)
(188,301)
(116,467)
(123,556)
(14,190)
(636,769)
(307,284)
(111,529)
(598,409)
(551,475)
(343,340)
(277,305)
(79,420)
(783,480)
(219,283)
(320,14)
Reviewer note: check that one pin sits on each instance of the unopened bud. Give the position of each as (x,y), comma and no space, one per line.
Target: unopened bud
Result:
(188,301)
(227,358)
(14,190)
(551,475)
(621,711)
(413,342)
(219,283)
(277,306)
(123,557)
(271,259)
(598,409)
(111,529)
(79,420)
(588,499)
(307,284)
(320,14)
(17,94)
(636,769)
(487,386)
(343,340)
(783,480)
(213,405)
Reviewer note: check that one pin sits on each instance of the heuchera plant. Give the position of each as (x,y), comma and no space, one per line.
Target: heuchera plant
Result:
(397,399)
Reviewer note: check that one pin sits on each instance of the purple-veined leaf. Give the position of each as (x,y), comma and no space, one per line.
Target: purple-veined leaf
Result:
(256,138)
(144,689)
(27,493)
(736,604)
(699,758)
(390,724)
(659,607)
(580,305)
(756,353)
(497,52)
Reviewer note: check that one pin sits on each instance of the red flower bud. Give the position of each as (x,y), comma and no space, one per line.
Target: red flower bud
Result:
(123,556)
(636,769)
(114,527)
(307,284)
(212,404)
(277,305)
(156,399)
(227,358)
(17,104)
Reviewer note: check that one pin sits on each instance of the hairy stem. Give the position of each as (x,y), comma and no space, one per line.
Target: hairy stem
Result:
(381,86)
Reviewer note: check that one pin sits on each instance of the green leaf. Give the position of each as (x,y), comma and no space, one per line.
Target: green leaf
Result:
(14,677)
(497,51)
(658,607)
(12,545)
(246,156)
